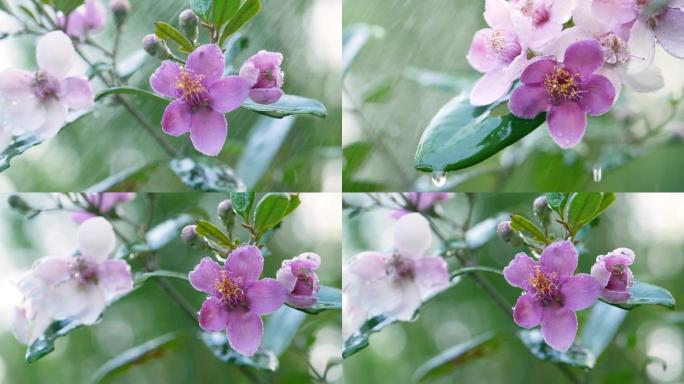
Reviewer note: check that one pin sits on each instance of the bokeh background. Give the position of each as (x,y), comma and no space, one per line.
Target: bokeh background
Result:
(435,35)
(647,348)
(308,33)
(147,313)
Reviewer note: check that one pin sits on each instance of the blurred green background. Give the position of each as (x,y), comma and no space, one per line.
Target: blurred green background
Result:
(307,32)
(647,348)
(148,312)
(435,35)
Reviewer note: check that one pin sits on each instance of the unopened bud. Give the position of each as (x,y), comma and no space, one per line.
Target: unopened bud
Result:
(189,24)
(120,9)
(504,230)
(155,46)
(226,213)
(542,210)
(190,237)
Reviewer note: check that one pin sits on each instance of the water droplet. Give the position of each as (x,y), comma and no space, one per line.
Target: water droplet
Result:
(598,174)
(439,178)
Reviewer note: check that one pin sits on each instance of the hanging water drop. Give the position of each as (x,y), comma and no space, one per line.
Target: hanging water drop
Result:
(439,178)
(598,174)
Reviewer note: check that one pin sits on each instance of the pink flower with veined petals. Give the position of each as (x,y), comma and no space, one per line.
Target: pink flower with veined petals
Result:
(102,203)
(87,18)
(540,22)
(38,102)
(299,277)
(568,91)
(201,96)
(264,75)
(237,298)
(552,292)
(422,201)
(612,271)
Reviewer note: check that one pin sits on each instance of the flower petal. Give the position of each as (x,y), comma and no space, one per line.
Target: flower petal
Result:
(600,272)
(208,131)
(560,257)
(245,331)
(431,273)
(266,296)
(52,270)
(409,304)
(615,296)
(81,216)
(301,301)
(27,116)
(65,300)
(96,238)
(498,14)
(598,95)
(518,271)
(641,46)
(527,312)
(669,31)
(55,54)
(266,95)
(164,79)
(379,296)
(15,83)
(480,53)
(649,80)
(412,235)
(559,327)
(528,101)
(55,118)
(246,262)
(79,95)
(286,277)
(177,118)
(614,11)
(213,316)
(205,275)
(490,87)
(584,57)
(208,61)
(369,265)
(580,291)
(228,94)
(535,73)
(94,304)
(567,123)
(114,278)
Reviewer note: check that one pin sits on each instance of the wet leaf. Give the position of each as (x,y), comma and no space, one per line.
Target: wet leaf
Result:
(223,10)
(462,135)
(201,7)
(647,294)
(359,340)
(557,201)
(583,209)
(270,211)
(46,343)
(167,32)
(328,298)
(355,156)
(234,46)
(281,328)
(66,6)
(522,224)
(242,203)
(128,180)
(288,105)
(244,14)
(576,356)
(213,234)
(217,342)
(19,145)
(206,175)
(354,38)
(601,327)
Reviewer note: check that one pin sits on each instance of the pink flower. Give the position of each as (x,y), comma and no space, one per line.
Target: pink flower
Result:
(103,203)
(568,91)
(87,18)
(552,294)
(395,284)
(497,52)
(202,98)
(612,271)
(265,77)
(299,277)
(540,22)
(38,102)
(422,201)
(30,319)
(80,287)
(237,298)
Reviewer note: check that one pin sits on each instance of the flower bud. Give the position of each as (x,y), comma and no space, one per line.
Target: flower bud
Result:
(155,46)
(120,9)
(19,204)
(542,210)
(190,237)
(189,24)
(265,76)
(508,234)
(226,213)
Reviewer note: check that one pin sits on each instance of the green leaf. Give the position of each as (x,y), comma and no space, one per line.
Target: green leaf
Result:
(462,135)
(166,31)
(448,361)
(521,224)
(201,7)
(67,6)
(576,356)
(213,234)
(355,156)
(206,175)
(288,105)
(601,327)
(247,11)
(281,328)
(582,210)
(482,232)
(354,38)
(164,233)
(478,268)
(270,211)
(46,343)
(242,203)
(130,91)
(359,340)
(217,342)
(142,278)
(557,201)
(328,298)
(156,348)
(234,46)
(647,294)
(223,10)
(264,142)
(379,92)
(130,65)
(19,145)
(128,180)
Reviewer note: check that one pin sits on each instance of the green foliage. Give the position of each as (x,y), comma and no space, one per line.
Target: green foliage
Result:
(272,209)
(206,175)
(202,7)
(244,14)
(217,342)
(522,224)
(127,180)
(601,327)
(585,207)
(327,298)
(647,294)
(360,339)
(223,10)
(288,105)
(576,356)
(242,204)
(557,201)
(46,343)
(214,237)
(66,6)
(166,31)
(354,38)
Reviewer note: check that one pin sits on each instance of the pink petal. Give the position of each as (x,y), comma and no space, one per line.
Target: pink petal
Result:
(431,273)
(15,83)
(55,117)
(79,95)
(114,278)
(527,312)
(369,265)
(250,73)
(518,271)
(245,331)
(560,257)
(81,216)
(598,95)
(567,123)
(163,80)
(65,300)
(94,304)
(286,277)
(95,15)
(497,14)
(527,102)
(600,272)
(301,301)
(213,316)
(479,55)
(615,296)
(584,57)
(177,118)
(55,54)
(208,131)
(580,291)
(266,95)
(266,296)
(208,61)
(412,235)
(641,46)
(205,275)
(228,94)
(409,303)
(669,31)
(52,270)
(246,262)
(96,238)
(559,327)
(536,72)
(490,88)
(76,25)
(614,11)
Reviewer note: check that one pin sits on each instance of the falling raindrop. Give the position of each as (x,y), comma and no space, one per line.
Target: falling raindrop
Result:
(598,173)
(439,178)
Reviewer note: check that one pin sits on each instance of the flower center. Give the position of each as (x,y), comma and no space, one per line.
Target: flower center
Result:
(83,271)
(545,287)
(229,291)
(538,15)
(504,45)
(45,86)
(400,268)
(191,89)
(304,276)
(562,85)
(614,49)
